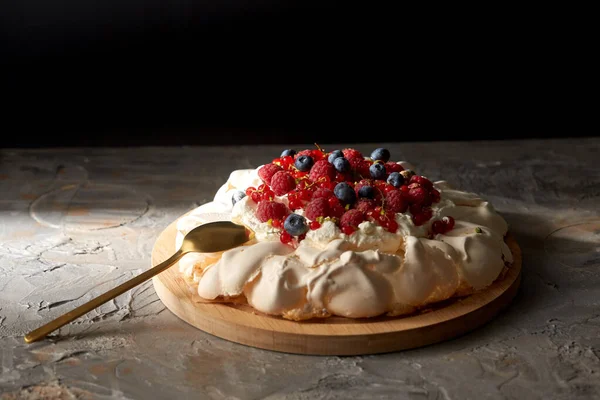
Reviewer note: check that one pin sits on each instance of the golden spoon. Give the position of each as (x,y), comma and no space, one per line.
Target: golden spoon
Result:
(207,238)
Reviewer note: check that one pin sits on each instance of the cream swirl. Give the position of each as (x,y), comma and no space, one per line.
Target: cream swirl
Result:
(368,273)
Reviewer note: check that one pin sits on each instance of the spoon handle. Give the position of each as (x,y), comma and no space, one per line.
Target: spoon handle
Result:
(64,319)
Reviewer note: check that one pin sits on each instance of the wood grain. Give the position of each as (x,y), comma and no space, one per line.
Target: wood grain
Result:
(335,335)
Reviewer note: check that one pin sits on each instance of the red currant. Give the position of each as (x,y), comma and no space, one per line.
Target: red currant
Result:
(315,225)
(305,194)
(392,226)
(435,195)
(285,237)
(449,222)
(256,196)
(438,227)
(295,204)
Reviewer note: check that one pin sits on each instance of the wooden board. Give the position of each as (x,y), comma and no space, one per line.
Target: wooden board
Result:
(335,335)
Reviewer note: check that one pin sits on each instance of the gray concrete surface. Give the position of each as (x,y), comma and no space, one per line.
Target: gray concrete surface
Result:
(76,222)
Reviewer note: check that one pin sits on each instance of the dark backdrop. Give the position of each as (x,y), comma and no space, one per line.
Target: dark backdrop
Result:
(132,72)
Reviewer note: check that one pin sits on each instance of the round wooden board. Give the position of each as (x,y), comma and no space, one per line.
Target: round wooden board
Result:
(335,335)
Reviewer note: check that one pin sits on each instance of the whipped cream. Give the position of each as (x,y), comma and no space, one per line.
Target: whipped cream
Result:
(368,273)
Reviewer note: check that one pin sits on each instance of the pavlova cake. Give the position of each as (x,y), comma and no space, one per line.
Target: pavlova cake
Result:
(338,233)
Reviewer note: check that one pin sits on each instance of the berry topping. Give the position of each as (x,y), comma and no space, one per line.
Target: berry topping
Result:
(334,154)
(341,186)
(237,196)
(341,164)
(282,182)
(304,163)
(317,208)
(352,218)
(394,201)
(395,179)
(267,171)
(345,193)
(380,154)
(295,225)
(288,152)
(270,210)
(322,192)
(391,166)
(352,153)
(377,171)
(366,192)
(321,169)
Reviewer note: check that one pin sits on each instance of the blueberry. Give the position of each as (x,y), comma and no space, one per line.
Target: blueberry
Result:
(295,225)
(380,154)
(304,163)
(344,193)
(366,191)
(395,179)
(288,152)
(341,164)
(377,171)
(237,196)
(334,154)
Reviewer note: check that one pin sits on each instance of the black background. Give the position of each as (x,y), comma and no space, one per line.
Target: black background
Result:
(150,73)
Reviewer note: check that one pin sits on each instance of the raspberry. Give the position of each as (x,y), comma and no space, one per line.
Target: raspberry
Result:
(352,218)
(267,171)
(364,169)
(421,180)
(419,195)
(282,182)
(267,210)
(352,153)
(394,201)
(320,169)
(391,166)
(317,208)
(365,205)
(355,163)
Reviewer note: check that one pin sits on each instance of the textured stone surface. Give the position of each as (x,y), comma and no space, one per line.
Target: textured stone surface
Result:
(75,222)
